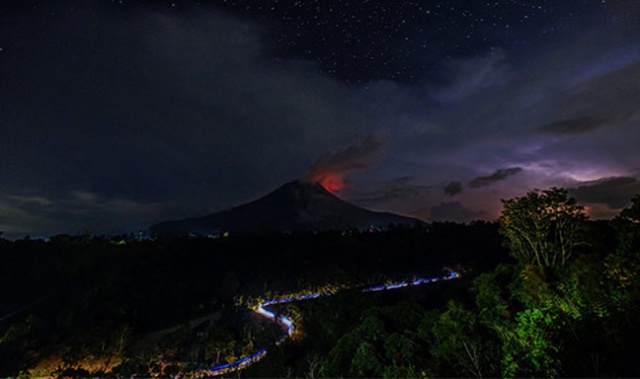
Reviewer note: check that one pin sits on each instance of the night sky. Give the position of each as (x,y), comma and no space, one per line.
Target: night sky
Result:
(115,115)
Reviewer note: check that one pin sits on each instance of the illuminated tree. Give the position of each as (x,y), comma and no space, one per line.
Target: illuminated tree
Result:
(533,350)
(542,228)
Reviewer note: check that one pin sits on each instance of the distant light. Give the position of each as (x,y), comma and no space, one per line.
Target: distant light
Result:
(288,324)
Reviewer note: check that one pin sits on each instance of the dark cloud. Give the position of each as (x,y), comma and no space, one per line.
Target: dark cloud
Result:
(401,188)
(161,105)
(143,111)
(454,211)
(577,125)
(615,192)
(453,188)
(77,212)
(614,95)
(404,180)
(500,174)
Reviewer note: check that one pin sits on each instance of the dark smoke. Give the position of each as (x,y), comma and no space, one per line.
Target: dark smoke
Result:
(334,166)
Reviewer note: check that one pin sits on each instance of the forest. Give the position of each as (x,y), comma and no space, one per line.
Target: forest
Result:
(544,292)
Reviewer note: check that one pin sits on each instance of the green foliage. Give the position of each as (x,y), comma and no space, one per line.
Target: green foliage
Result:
(623,265)
(542,228)
(460,345)
(365,362)
(317,367)
(400,349)
(383,344)
(532,351)
(355,353)
(492,295)
(549,315)
(554,313)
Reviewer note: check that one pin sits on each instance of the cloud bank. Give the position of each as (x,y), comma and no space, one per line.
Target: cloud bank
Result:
(573,126)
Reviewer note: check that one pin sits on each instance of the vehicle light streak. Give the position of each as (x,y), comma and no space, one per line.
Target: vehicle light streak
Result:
(289,326)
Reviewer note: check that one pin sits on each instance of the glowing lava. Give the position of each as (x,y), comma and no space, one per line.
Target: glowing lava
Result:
(332,182)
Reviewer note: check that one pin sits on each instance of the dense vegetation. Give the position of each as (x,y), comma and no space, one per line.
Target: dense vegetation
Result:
(545,293)
(566,306)
(82,305)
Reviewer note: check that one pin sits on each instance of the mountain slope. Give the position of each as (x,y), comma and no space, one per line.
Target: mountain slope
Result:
(297,205)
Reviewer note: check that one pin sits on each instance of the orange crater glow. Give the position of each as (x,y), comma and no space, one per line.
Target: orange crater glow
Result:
(331,181)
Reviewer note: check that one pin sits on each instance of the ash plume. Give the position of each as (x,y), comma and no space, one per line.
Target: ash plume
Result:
(330,169)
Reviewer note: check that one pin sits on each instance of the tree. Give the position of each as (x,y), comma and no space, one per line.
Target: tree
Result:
(534,349)
(632,214)
(542,228)
(623,264)
(627,225)
(461,346)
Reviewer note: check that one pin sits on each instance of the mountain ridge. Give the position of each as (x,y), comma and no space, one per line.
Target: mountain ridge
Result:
(294,206)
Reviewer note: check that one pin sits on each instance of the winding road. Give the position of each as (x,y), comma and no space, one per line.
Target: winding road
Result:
(288,325)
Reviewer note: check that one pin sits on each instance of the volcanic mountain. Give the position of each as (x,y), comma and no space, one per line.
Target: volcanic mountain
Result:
(295,206)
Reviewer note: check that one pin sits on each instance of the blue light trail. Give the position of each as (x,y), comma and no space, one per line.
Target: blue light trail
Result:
(287,323)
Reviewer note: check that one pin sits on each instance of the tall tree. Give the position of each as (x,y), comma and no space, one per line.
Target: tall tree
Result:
(542,228)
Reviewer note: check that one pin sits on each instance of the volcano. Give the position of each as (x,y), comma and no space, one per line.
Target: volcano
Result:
(295,206)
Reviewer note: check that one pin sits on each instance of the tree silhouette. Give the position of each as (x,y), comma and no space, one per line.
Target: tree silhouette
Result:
(542,228)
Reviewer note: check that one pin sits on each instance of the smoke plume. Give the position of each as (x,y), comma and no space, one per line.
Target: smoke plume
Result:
(330,169)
